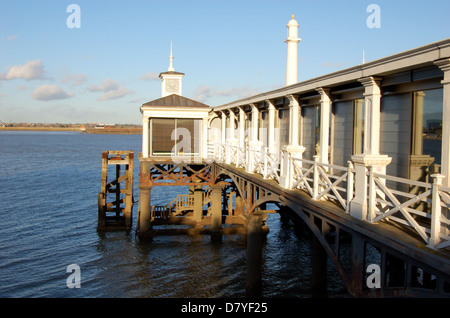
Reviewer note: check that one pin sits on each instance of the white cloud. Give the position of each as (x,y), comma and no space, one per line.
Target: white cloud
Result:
(333,64)
(150,76)
(50,92)
(111,90)
(76,79)
(31,70)
(12,37)
(204,92)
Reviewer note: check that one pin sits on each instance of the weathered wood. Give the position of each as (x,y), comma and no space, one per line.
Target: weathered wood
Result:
(123,199)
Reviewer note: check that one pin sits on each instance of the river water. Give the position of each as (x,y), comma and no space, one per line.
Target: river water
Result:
(49,186)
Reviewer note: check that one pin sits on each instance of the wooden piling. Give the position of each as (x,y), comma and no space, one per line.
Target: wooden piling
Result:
(116,214)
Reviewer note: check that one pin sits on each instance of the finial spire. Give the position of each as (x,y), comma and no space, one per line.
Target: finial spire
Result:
(171,69)
(293,17)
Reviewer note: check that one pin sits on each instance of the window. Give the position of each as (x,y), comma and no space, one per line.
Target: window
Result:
(342,145)
(395,132)
(284,126)
(358,124)
(178,136)
(264,127)
(426,138)
(311,131)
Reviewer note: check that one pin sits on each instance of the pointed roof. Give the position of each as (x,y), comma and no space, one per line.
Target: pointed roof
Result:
(175,100)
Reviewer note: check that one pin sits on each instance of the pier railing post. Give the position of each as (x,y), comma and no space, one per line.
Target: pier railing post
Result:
(359,206)
(316,178)
(350,185)
(435,211)
(288,154)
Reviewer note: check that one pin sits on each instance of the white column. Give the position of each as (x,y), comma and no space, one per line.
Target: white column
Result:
(271,128)
(241,127)
(254,124)
(204,138)
(223,129)
(444,65)
(325,109)
(372,95)
(371,156)
(145,136)
(254,143)
(292,52)
(223,141)
(231,134)
(294,115)
(293,150)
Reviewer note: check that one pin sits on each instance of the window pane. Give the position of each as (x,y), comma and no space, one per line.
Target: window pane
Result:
(162,129)
(310,133)
(427,133)
(343,132)
(395,132)
(186,136)
(284,126)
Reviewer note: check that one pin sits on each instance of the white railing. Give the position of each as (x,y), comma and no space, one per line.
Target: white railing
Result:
(423,207)
(265,163)
(323,181)
(420,210)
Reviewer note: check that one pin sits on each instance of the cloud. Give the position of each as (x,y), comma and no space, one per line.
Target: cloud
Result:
(205,92)
(150,76)
(30,71)
(76,79)
(333,64)
(50,92)
(111,90)
(12,37)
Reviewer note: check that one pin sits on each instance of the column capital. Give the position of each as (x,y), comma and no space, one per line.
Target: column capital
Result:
(371,84)
(370,81)
(253,106)
(323,90)
(292,100)
(444,65)
(372,160)
(270,102)
(324,94)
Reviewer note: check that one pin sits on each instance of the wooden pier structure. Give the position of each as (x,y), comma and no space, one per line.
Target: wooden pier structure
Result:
(361,156)
(115,200)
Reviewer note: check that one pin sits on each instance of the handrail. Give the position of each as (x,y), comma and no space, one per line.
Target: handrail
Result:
(427,212)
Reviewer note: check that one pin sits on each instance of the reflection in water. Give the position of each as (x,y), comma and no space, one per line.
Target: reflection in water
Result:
(53,224)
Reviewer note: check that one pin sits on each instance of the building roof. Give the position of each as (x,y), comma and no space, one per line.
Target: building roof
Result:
(175,100)
(171,72)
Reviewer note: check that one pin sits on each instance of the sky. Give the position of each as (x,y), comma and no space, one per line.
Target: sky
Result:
(100,62)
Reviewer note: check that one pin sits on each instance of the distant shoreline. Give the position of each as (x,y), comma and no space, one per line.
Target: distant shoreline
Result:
(112,131)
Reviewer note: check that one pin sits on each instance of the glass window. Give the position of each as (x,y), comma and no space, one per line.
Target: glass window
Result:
(311,131)
(342,132)
(284,126)
(358,124)
(395,132)
(162,129)
(180,135)
(264,127)
(426,143)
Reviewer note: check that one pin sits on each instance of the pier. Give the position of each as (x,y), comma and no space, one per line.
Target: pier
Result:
(361,156)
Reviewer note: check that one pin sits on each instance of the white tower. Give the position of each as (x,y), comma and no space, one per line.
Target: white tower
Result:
(170,80)
(292,55)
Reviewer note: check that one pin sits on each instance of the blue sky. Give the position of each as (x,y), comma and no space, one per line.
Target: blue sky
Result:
(106,69)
